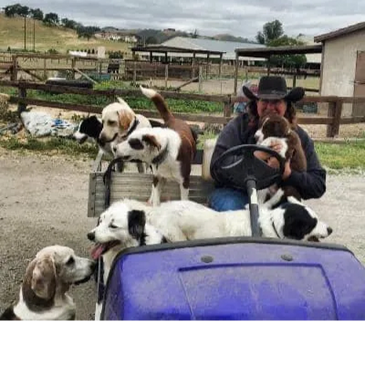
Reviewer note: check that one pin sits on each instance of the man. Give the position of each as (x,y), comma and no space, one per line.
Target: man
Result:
(271,97)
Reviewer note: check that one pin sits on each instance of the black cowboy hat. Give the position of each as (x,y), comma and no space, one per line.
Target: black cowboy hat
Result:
(274,88)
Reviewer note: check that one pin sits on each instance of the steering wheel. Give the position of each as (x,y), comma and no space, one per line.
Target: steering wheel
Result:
(239,165)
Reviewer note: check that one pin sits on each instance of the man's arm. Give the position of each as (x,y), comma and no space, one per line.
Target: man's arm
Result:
(311,184)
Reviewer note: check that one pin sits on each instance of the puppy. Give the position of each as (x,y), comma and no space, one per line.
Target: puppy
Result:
(43,294)
(169,151)
(278,127)
(274,129)
(119,227)
(187,220)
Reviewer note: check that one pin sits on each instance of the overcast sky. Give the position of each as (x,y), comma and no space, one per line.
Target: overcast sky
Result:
(238,18)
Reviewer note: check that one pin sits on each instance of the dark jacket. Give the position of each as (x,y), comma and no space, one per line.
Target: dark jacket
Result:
(310,184)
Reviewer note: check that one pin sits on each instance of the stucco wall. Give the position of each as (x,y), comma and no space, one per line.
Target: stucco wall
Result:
(339,64)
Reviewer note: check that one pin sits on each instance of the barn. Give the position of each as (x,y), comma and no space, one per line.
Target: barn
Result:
(343,65)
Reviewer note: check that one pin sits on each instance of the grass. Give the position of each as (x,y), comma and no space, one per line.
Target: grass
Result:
(61,39)
(53,145)
(349,155)
(176,105)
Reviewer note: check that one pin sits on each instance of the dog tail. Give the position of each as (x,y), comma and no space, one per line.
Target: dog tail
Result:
(159,102)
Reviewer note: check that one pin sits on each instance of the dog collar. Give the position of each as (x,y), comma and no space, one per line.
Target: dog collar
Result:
(132,128)
(275,230)
(160,157)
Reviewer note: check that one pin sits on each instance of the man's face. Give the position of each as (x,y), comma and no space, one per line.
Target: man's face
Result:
(271,106)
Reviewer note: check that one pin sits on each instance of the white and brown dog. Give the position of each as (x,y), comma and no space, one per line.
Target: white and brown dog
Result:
(119,120)
(43,294)
(277,129)
(169,151)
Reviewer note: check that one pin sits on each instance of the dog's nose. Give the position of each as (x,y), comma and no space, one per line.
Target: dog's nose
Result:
(115,149)
(329,230)
(93,265)
(91,236)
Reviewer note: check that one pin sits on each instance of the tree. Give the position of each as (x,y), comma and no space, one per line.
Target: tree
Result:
(51,19)
(36,14)
(68,23)
(271,31)
(289,61)
(151,40)
(17,9)
(86,32)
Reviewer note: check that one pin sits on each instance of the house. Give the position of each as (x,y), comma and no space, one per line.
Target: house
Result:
(117,35)
(343,65)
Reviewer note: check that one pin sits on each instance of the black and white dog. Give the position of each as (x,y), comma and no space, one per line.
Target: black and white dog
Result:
(119,227)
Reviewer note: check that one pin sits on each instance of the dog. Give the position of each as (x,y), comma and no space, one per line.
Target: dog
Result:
(188,220)
(274,129)
(119,121)
(275,126)
(43,294)
(119,227)
(169,151)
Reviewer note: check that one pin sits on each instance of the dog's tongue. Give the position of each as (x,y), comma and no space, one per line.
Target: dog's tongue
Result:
(97,251)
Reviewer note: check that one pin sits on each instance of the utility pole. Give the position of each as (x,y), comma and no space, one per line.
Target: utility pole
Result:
(25,33)
(33,35)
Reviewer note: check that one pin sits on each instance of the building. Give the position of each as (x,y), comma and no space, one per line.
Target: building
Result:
(199,48)
(343,64)
(117,35)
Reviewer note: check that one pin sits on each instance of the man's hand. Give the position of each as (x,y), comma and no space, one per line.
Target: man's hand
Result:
(287,170)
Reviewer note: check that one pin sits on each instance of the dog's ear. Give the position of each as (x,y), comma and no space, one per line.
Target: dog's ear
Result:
(136,223)
(126,117)
(151,140)
(43,281)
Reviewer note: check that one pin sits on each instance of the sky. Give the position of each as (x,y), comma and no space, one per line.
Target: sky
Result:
(238,18)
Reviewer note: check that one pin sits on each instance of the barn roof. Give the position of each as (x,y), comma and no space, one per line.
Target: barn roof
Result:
(340,32)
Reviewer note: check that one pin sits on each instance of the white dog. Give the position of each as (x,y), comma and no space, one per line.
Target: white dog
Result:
(43,294)
(120,227)
(159,148)
(187,220)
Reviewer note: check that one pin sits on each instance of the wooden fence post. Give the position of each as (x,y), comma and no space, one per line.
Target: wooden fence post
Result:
(166,75)
(14,73)
(200,78)
(22,92)
(73,66)
(334,111)
(134,73)
(227,109)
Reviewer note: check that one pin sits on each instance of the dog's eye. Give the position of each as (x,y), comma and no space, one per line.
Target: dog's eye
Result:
(111,225)
(70,261)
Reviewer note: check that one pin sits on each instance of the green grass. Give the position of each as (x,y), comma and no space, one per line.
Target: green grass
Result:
(51,145)
(176,105)
(350,155)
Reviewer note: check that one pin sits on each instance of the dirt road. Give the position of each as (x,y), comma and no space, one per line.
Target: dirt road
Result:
(43,201)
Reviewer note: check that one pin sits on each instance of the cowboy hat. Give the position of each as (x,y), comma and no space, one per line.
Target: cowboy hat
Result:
(274,88)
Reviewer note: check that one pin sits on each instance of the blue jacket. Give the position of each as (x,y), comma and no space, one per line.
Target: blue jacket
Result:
(310,184)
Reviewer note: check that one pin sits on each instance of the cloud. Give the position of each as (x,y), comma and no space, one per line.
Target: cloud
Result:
(212,17)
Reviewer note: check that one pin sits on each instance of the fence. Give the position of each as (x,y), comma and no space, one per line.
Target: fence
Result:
(333,120)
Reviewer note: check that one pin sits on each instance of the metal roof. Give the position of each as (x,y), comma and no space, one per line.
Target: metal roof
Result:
(340,32)
(266,52)
(163,48)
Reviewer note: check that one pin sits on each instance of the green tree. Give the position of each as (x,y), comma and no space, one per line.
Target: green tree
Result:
(288,61)
(36,14)
(51,19)
(271,31)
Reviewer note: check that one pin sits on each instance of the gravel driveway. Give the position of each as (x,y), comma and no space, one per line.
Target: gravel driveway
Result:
(43,201)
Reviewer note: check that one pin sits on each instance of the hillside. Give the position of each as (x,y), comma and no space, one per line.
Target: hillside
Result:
(61,39)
